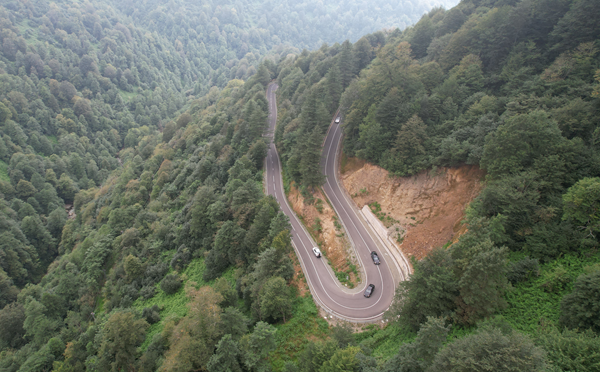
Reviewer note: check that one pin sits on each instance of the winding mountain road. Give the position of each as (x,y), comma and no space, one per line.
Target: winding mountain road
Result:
(328,292)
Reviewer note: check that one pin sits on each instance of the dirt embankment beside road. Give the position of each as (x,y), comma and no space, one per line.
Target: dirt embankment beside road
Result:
(321,221)
(428,206)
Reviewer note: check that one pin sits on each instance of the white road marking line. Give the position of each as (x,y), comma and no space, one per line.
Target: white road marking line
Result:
(345,211)
(319,276)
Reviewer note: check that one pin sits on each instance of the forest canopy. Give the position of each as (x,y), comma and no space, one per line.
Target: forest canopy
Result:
(510,87)
(135,231)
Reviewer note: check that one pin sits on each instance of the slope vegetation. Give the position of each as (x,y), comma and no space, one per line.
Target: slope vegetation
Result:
(512,88)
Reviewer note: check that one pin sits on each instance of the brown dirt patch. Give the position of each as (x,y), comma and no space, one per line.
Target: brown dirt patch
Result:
(429,206)
(349,164)
(322,226)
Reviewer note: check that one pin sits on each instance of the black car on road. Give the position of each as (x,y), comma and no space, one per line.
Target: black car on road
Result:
(369,290)
(375,258)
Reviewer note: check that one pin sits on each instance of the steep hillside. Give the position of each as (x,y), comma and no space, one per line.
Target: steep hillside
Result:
(247,25)
(508,87)
(429,206)
(148,116)
(82,84)
(322,222)
(178,233)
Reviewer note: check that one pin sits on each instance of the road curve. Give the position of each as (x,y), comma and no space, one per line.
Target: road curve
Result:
(327,291)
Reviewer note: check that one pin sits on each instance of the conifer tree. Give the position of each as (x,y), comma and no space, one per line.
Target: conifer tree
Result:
(372,138)
(334,88)
(346,63)
(310,167)
(226,358)
(409,145)
(362,53)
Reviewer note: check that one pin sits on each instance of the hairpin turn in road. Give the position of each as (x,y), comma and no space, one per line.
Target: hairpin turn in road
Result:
(328,292)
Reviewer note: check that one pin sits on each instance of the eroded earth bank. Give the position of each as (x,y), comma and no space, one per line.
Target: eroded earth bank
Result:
(321,221)
(429,206)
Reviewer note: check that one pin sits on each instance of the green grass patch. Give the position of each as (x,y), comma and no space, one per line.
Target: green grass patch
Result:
(128,96)
(28,32)
(53,139)
(304,327)
(344,275)
(95,46)
(388,221)
(458,331)
(537,301)
(530,304)
(100,306)
(384,342)
(319,205)
(4,172)
(176,304)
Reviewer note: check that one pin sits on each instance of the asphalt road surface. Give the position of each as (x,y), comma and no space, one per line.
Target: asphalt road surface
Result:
(328,292)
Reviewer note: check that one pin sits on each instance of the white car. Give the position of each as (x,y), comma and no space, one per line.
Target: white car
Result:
(316,251)
(337,120)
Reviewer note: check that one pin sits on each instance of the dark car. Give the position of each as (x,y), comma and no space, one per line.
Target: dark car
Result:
(369,290)
(375,258)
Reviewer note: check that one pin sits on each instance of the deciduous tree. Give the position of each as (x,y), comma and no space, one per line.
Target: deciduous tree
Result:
(121,336)
(579,309)
(582,204)
(194,338)
(491,349)
(275,301)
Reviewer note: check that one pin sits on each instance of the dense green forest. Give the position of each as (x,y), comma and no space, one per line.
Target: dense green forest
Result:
(261,25)
(147,118)
(197,191)
(82,81)
(511,86)
(131,116)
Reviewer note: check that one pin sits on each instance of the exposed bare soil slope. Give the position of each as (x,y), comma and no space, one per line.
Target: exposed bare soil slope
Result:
(321,221)
(429,206)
